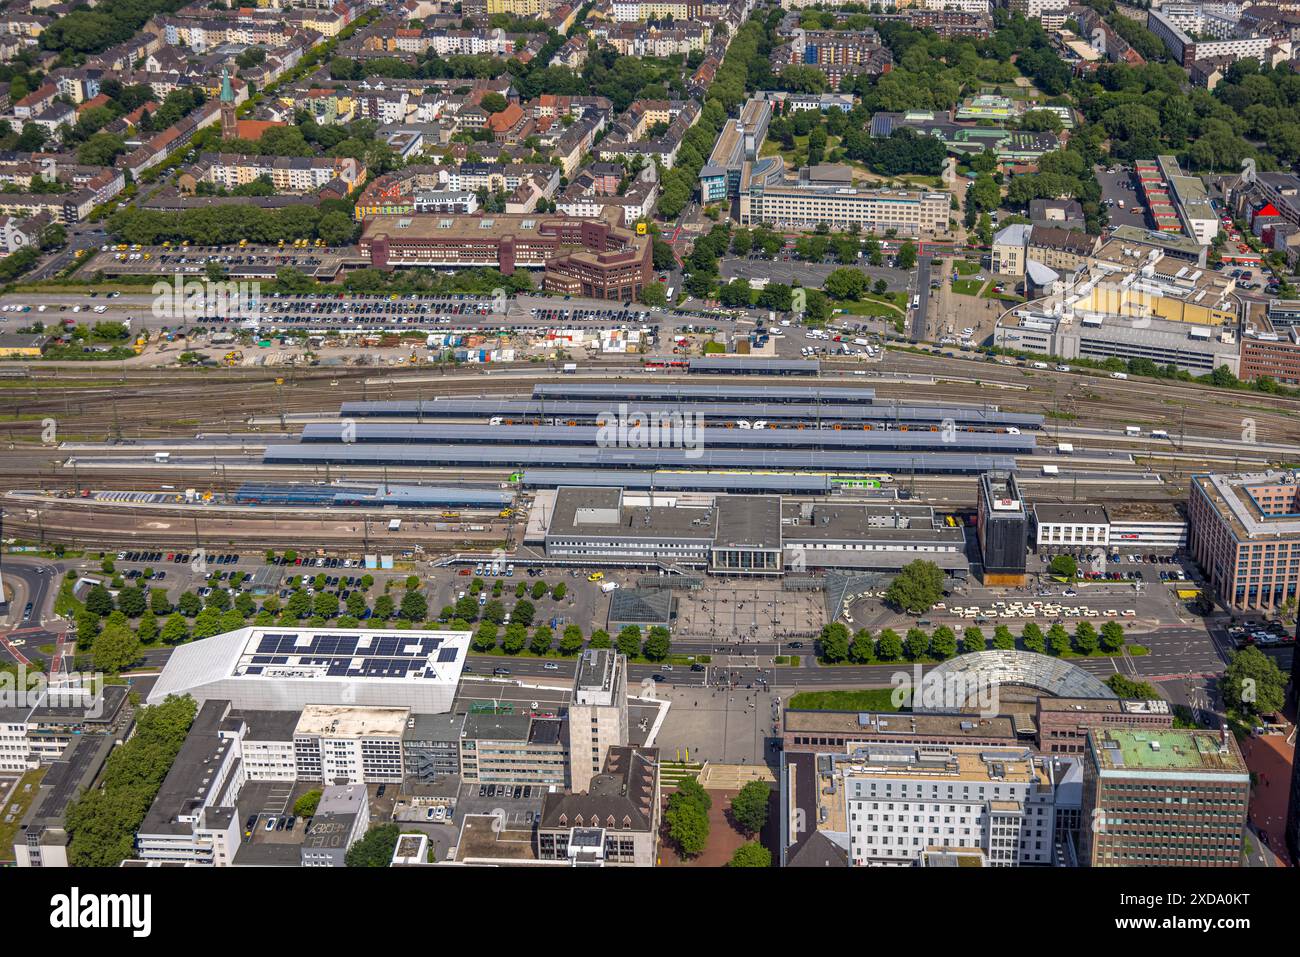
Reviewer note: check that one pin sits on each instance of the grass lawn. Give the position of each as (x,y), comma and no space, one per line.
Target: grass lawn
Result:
(965,267)
(17,806)
(866,307)
(992,293)
(967,287)
(867,699)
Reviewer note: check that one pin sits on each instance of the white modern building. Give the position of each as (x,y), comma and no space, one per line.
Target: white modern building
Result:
(1073,529)
(335,743)
(287,669)
(899,802)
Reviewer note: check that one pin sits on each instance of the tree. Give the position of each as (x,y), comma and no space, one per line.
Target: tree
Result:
(907,255)
(516,637)
(1252,683)
(147,628)
(130,601)
(485,639)
(1064,566)
(1003,640)
(943,643)
(835,642)
(158,602)
(863,648)
(889,646)
(916,588)
(1112,636)
(653,295)
(629,641)
(174,629)
(494,611)
(542,638)
(1085,638)
(559,591)
(376,848)
(1033,639)
(523,612)
(752,854)
(306,805)
(207,623)
(845,284)
(599,639)
(687,816)
(539,590)
(415,607)
(115,647)
(325,604)
(1059,640)
(657,644)
(916,644)
(384,607)
(571,640)
(102,822)
(99,601)
(355,604)
(749,806)
(467,608)
(1131,690)
(972,639)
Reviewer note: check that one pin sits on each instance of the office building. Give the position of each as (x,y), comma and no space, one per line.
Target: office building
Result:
(431,746)
(515,749)
(1002,528)
(584,257)
(1070,529)
(597,713)
(42,837)
(1064,723)
(341,819)
(193,819)
(1163,799)
(738,143)
(887,805)
(1244,531)
(822,196)
(614,821)
(341,743)
(287,669)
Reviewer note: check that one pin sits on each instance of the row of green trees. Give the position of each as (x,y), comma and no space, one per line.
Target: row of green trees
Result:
(837,644)
(654,645)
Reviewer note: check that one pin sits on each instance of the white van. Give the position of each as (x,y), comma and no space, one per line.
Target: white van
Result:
(1119,375)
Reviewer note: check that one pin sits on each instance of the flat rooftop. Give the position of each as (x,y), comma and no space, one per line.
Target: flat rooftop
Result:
(1119,750)
(342,721)
(749,521)
(492,226)
(348,653)
(1231,496)
(1103,705)
(886,523)
(901,724)
(976,764)
(1071,514)
(602,512)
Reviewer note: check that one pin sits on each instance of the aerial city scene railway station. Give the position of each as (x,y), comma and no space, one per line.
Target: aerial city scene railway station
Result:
(753,433)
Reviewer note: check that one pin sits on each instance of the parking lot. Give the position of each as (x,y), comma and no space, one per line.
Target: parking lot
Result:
(500,801)
(1119,187)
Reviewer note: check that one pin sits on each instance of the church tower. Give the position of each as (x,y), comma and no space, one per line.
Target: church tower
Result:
(229,124)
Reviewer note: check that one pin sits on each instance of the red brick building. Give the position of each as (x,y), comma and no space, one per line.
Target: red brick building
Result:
(596,258)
